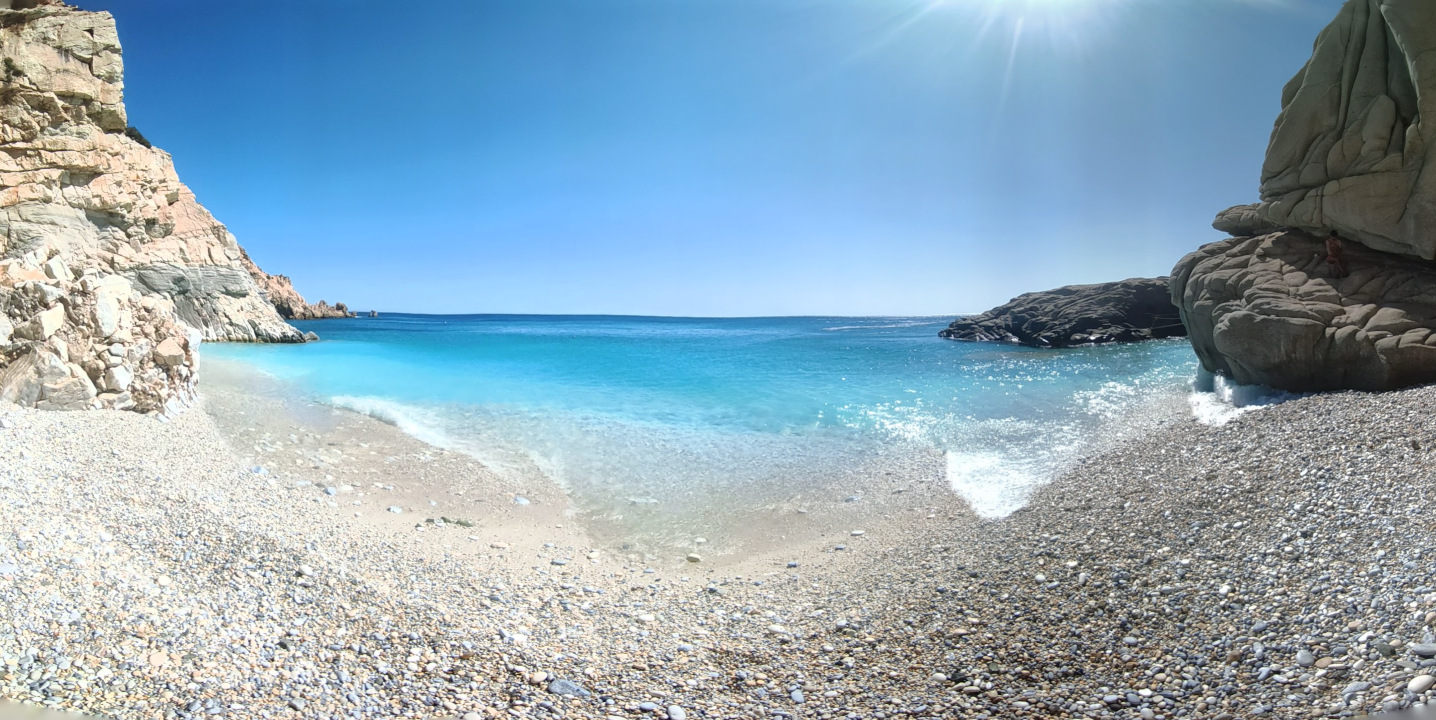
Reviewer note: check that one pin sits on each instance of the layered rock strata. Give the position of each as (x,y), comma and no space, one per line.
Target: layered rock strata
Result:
(1126,311)
(111,273)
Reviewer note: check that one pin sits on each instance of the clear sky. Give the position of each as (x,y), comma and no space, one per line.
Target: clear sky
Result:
(712,157)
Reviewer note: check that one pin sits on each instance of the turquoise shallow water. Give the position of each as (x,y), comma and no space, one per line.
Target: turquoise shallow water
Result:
(690,414)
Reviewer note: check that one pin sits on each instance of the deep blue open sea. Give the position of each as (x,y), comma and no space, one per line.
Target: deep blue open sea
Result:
(653,410)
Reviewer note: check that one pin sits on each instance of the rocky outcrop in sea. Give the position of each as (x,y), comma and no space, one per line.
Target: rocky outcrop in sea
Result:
(1350,154)
(111,273)
(1127,311)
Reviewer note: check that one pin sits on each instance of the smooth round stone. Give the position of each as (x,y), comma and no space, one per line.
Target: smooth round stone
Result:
(676,712)
(1425,650)
(1421,683)
(797,696)
(694,557)
(1304,658)
(648,706)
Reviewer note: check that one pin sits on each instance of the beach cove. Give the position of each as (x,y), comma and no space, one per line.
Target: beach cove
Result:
(1163,578)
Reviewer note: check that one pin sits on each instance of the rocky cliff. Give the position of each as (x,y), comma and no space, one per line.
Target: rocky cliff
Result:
(1077,315)
(1351,152)
(285,299)
(111,272)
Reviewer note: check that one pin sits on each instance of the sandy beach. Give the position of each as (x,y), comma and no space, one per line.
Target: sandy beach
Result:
(1278,566)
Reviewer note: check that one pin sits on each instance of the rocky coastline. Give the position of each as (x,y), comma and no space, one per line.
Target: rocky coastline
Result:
(1350,154)
(111,272)
(1128,311)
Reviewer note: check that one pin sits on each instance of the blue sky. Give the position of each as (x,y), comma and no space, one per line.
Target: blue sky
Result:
(712,157)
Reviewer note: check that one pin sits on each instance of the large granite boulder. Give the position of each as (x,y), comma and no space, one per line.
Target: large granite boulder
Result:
(1127,311)
(1351,150)
(1266,310)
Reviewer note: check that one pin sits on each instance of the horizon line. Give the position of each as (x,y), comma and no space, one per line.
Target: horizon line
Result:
(363,315)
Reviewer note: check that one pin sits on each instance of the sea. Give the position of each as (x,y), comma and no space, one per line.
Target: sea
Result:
(693,416)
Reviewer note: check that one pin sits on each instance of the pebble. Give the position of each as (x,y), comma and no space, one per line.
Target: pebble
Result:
(941,624)
(676,712)
(566,687)
(693,558)
(395,509)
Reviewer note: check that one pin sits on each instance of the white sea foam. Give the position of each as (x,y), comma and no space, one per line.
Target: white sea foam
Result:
(420,423)
(1216,400)
(993,484)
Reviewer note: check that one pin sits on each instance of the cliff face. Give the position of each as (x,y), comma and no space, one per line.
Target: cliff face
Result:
(111,272)
(1351,152)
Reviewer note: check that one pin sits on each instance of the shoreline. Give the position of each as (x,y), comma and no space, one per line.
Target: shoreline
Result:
(150,572)
(290,427)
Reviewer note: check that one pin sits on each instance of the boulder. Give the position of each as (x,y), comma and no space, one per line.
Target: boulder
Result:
(1352,149)
(1126,311)
(1267,311)
(43,325)
(170,353)
(118,379)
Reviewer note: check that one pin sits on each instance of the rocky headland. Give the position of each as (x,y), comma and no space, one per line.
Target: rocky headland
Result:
(111,273)
(1078,315)
(1353,151)
(287,301)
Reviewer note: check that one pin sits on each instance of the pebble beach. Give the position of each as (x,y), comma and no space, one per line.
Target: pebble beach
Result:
(230,562)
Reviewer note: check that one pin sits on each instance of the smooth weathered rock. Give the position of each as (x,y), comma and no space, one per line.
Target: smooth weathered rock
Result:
(1352,150)
(1127,311)
(1244,221)
(1266,311)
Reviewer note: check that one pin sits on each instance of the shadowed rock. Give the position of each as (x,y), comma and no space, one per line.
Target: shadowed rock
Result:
(1128,311)
(1267,311)
(1353,149)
